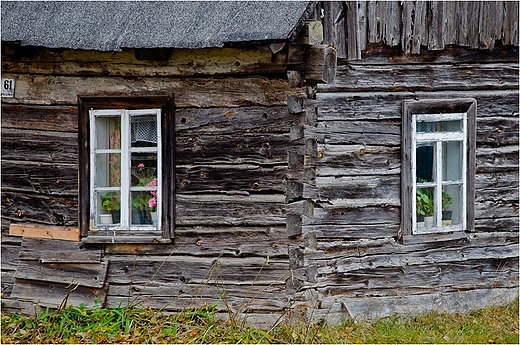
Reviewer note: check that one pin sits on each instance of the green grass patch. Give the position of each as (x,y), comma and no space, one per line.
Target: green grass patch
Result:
(141,325)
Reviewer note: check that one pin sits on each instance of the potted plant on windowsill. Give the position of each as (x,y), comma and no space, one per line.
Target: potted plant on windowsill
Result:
(111,204)
(446,213)
(424,206)
(145,202)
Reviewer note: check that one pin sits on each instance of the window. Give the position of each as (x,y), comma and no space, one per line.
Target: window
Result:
(126,169)
(438,166)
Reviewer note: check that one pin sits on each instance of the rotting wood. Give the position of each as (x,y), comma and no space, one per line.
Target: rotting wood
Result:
(42,231)
(181,63)
(311,33)
(89,275)
(53,294)
(54,211)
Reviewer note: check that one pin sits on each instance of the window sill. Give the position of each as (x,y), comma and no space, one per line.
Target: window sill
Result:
(436,237)
(107,237)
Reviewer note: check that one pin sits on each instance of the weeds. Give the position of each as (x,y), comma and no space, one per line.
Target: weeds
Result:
(142,325)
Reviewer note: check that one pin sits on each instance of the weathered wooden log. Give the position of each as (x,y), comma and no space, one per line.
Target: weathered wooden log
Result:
(413,78)
(189,92)
(129,62)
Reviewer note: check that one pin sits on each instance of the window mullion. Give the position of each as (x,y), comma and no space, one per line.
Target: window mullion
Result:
(414,174)
(125,170)
(438,183)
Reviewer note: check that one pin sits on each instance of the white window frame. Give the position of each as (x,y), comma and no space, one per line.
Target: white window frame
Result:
(438,138)
(443,108)
(125,151)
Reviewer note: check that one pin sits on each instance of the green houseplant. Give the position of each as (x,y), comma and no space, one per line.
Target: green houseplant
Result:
(446,213)
(111,203)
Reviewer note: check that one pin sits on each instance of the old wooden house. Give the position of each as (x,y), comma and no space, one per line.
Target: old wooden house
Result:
(333,159)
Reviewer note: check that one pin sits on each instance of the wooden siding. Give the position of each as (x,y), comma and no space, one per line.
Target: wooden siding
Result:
(357,263)
(414,26)
(233,132)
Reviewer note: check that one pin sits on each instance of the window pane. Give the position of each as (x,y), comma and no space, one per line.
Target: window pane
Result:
(108,132)
(144,130)
(452,161)
(425,162)
(109,207)
(451,205)
(144,207)
(108,170)
(439,126)
(144,169)
(425,207)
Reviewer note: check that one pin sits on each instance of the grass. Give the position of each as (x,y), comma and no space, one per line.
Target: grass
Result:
(141,325)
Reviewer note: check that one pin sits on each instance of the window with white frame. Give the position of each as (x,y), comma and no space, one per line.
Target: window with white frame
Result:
(126,168)
(438,166)
(125,187)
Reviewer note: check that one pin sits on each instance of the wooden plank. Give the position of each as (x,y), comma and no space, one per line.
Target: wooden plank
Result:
(190,92)
(39,146)
(89,275)
(500,159)
(222,121)
(380,105)
(367,307)
(391,23)
(236,210)
(463,23)
(54,294)
(180,62)
(383,132)
(244,178)
(207,241)
(387,281)
(510,30)
(42,118)
(497,131)
(58,251)
(197,270)
(40,177)
(352,160)
(9,257)
(43,231)
(424,78)
(436,26)
(379,54)
(239,148)
(181,296)
(407,20)
(355,187)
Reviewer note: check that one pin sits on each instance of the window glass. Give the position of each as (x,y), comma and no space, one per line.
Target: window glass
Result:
(439,126)
(108,132)
(452,161)
(124,179)
(438,172)
(143,130)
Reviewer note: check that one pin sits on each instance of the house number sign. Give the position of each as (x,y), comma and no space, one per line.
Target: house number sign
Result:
(7,87)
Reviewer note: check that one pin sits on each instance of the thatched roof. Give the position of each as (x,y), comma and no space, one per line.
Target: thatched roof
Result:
(112,25)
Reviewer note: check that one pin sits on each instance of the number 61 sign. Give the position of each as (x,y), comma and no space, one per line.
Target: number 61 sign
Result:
(7,87)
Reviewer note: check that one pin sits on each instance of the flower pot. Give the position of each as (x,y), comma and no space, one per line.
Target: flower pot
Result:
(154,217)
(105,219)
(420,220)
(116,216)
(446,217)
(428,221)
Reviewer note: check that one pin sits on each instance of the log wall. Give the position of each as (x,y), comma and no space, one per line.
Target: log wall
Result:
(416,26)
(359,266)
(233,135)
